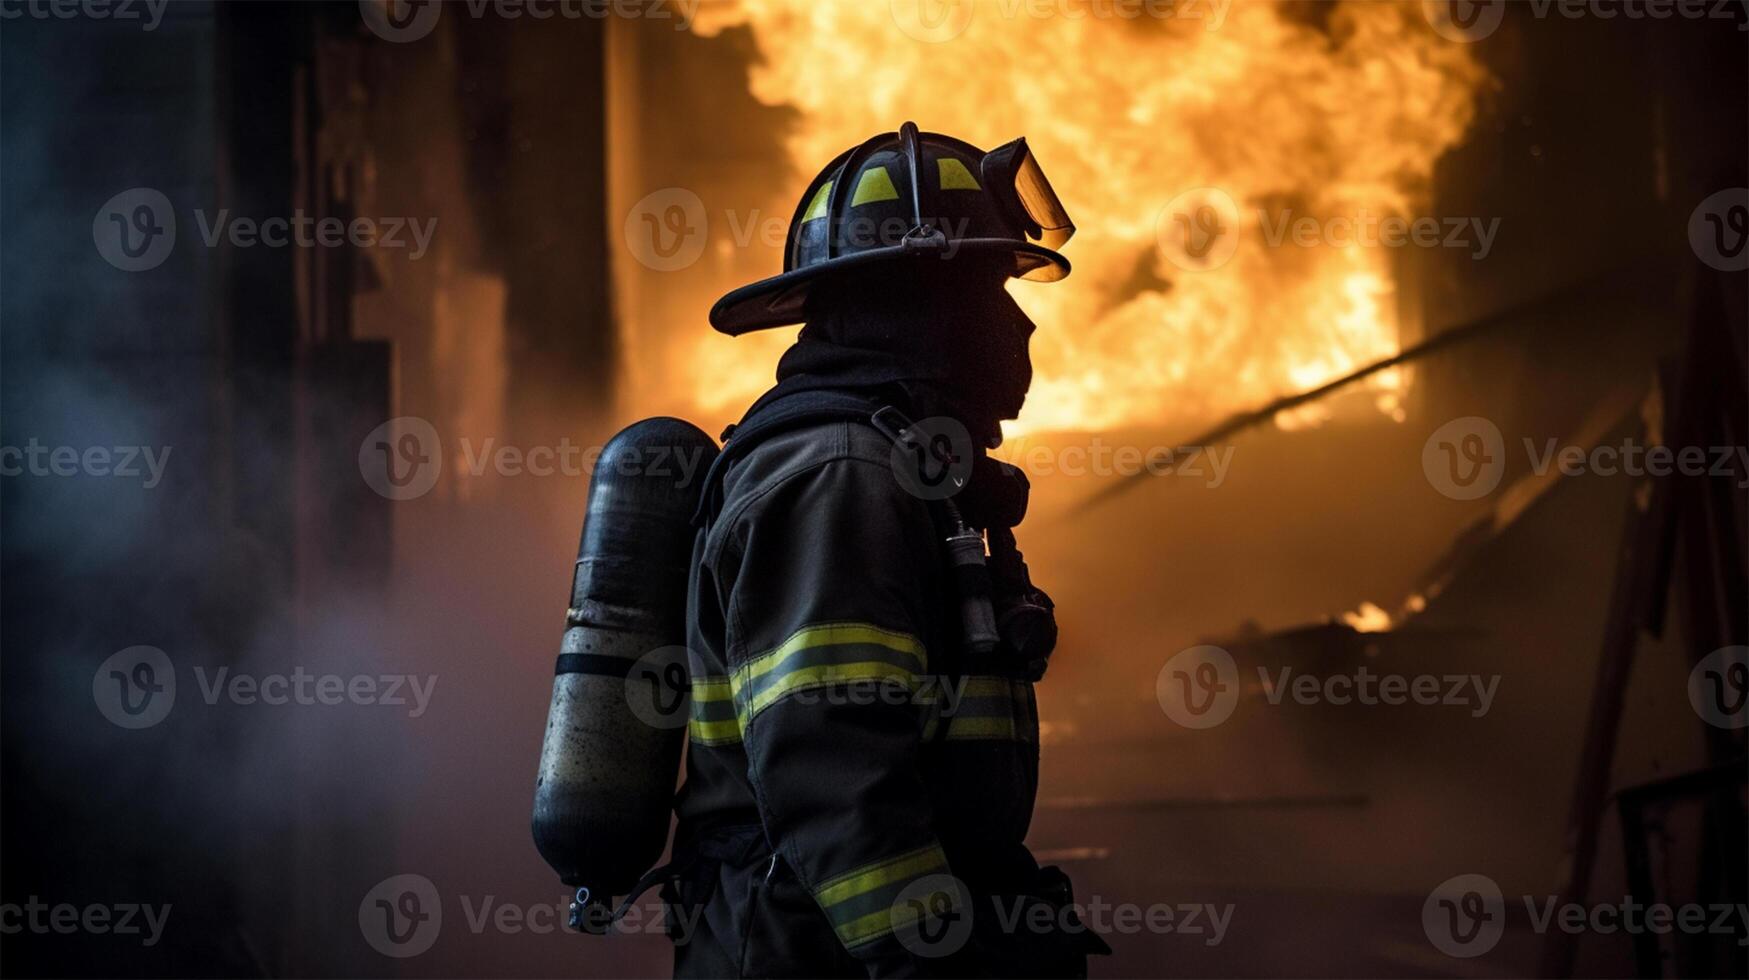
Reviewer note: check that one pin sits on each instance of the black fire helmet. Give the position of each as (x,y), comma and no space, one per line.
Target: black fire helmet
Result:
(909,197)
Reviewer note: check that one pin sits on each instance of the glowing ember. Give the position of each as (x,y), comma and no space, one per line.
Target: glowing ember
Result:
(1368,619)
(1290,119)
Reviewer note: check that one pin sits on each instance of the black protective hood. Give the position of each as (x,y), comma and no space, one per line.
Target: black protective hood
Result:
(950,344)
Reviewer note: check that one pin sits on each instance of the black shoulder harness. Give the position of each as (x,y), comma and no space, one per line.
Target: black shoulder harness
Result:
(767,418)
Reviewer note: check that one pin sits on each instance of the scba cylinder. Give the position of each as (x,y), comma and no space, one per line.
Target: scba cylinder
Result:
(617,722)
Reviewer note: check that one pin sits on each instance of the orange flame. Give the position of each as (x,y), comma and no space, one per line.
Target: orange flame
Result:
(1284,116)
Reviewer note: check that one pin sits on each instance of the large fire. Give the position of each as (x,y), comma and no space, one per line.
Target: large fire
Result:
(1290,115)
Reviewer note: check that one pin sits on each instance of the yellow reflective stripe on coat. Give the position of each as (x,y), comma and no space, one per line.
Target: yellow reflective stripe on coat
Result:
(711,689)
(823,656)
(827,634)
(860,903)
(985,708)
(713,719)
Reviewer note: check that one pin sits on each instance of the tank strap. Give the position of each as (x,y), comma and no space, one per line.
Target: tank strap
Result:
(659,875)
(738,844)
(598,664)
(771,416)
(586,909)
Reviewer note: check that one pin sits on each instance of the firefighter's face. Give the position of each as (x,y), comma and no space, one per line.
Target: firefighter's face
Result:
(1008,345)
(953,325)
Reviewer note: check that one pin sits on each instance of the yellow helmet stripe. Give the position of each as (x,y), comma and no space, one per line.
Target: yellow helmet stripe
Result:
(955,176)
(876,185)
(817,207)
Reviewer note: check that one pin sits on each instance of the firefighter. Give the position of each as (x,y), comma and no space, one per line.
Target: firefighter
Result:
(863,761)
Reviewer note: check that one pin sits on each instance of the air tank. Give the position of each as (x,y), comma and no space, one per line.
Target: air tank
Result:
(617,721)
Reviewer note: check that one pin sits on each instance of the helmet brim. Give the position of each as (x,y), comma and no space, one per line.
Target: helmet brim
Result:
(781,301)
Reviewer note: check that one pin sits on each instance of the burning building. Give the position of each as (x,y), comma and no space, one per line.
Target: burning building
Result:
(1485,211)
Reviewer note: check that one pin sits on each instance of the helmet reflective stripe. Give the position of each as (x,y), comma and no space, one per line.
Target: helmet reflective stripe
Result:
(955,176)
(817,207)
(876,185)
